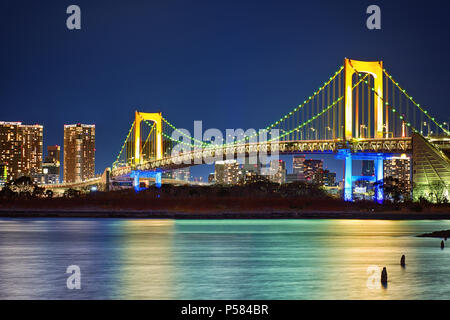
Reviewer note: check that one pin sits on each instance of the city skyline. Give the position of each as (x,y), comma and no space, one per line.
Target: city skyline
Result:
(330,162)
(45,157)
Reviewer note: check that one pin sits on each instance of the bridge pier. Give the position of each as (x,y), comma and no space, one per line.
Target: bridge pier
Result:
(349,178)
(137,174)
(158,179)
(136,181)
(379,177)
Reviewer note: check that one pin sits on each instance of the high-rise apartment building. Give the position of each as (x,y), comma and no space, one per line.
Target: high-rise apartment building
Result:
(226,172)
(399,168)
(297,169)
(313,171)
(21,149)
(79,152)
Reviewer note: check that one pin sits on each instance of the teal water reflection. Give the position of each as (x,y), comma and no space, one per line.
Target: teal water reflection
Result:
(220,259)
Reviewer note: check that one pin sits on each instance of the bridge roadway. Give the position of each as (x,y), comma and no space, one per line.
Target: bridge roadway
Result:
(390,145)
(195,157)
(100,182)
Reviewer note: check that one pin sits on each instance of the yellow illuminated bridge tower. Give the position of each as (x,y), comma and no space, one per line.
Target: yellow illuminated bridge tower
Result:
(375,69)
(157,119)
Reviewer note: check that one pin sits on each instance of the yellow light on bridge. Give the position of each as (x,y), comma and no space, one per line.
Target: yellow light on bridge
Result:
(375,68)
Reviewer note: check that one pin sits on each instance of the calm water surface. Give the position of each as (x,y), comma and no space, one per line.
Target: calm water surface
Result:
(220,259)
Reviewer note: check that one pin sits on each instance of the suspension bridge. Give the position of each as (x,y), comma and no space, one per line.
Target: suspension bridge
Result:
(359,113)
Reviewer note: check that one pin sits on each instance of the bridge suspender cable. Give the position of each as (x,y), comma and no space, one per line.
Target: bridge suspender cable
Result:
(414,102)
(319,114)
(124,144)
(401,117)
(284,134)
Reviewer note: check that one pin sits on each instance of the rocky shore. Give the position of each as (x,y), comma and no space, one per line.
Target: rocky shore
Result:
(444,234)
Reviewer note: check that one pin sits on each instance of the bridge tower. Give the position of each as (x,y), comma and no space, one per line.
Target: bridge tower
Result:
(374,68)
(157,119)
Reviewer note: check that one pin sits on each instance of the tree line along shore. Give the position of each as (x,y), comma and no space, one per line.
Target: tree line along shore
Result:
(291,200)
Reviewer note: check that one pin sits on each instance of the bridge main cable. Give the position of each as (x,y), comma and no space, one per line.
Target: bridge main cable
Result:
(334,103)
(271,126)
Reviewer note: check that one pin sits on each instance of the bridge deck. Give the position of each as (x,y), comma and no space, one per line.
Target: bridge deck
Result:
(197,157)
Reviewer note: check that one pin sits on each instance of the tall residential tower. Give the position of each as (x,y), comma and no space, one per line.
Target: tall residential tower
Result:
(79,152)
(21,149)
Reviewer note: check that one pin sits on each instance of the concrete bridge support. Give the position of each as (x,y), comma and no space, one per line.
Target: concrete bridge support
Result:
(137,174)
(349,178)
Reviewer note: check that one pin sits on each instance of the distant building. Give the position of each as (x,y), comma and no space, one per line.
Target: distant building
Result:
(21,149)
(313,171)
(251,172)
(182,174)
(250,177)
(399,168)
(51,166)
(227,172)
(79,152)
(53,154)
(367,168)
(297,170)
(248,166)
(329,178)
(277,171)
(298,165)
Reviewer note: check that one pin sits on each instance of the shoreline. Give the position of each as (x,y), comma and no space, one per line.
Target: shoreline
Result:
(157,214)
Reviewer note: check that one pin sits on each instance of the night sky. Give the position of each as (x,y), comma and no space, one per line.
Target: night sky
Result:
(232,64)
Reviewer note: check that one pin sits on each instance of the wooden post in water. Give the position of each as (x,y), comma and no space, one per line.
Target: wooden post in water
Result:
(403,261)
(384,277)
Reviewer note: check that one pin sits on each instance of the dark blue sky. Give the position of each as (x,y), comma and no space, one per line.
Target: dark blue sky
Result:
(232,64)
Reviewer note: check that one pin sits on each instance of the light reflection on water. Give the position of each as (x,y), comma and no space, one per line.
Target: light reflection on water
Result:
(220,259)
